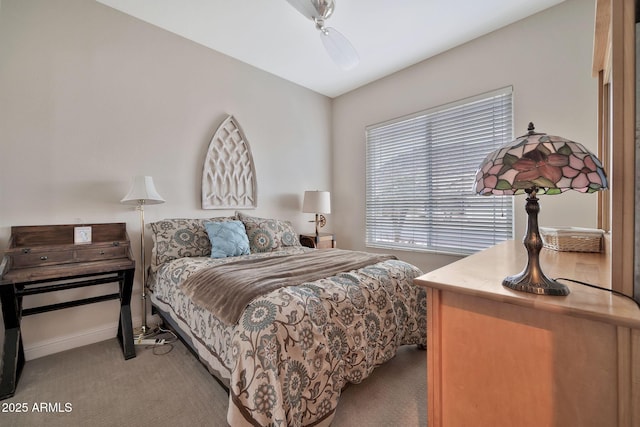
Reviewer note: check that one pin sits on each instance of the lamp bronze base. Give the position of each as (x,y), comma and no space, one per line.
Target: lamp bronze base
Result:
(532,279)
(543,286)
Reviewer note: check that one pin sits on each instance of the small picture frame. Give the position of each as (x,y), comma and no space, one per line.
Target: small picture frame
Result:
(81,235)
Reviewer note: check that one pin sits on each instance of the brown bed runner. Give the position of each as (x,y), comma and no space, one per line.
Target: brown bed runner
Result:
(227,289)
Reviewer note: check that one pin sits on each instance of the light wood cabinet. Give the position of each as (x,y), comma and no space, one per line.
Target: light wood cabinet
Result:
(614,66)
(499,357)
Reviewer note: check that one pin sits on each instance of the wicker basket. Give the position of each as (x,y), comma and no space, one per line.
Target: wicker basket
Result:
(572,239)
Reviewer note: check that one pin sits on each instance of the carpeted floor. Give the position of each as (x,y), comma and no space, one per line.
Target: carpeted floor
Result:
(94,386)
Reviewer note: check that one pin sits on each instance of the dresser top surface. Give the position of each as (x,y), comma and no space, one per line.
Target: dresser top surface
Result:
(481,275)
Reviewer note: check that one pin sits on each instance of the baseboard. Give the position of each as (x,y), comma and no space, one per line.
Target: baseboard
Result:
(68,342)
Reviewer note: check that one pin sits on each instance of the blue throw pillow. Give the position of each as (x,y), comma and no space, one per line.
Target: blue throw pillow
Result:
(228,238)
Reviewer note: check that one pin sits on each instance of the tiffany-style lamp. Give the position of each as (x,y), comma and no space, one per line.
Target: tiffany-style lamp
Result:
(537,163)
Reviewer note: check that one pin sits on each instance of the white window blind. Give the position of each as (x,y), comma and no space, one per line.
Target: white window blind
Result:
(420,173)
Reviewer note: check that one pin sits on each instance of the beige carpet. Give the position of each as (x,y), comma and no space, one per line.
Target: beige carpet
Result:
(94,386)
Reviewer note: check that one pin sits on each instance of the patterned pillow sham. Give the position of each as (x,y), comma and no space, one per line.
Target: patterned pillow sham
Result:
(178,238)
(228,238)
(267,234)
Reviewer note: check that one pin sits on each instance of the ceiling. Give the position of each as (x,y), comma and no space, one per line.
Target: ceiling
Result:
(388,35)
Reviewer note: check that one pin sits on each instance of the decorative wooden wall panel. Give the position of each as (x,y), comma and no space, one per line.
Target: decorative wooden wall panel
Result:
(229,175)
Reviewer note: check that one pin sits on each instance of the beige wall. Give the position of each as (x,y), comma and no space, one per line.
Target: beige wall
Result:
(90,97)
(547,60)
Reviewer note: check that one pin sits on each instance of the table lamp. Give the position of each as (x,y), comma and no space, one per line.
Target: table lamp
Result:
(317,202)
(142,193)
(537,163)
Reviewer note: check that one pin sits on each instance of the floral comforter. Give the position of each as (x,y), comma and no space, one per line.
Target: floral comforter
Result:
(293,350)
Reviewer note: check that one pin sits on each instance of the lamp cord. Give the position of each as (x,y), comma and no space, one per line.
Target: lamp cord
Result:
(161,350)
(613,291)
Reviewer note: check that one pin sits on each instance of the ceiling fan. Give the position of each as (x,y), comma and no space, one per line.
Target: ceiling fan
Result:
(337,46)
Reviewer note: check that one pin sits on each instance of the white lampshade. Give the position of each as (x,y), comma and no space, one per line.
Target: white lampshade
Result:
(142,192)
(316,202)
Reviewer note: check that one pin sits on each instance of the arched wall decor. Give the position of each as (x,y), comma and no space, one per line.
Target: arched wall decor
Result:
(229,175)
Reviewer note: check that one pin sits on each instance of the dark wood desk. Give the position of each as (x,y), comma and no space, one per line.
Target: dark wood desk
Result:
(44,259)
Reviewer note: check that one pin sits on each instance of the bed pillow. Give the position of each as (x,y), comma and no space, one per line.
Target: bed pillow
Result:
(228,238)
(267,234)
(179,238)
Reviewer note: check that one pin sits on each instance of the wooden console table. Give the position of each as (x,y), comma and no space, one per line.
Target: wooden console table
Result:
(45,259)
(499,357)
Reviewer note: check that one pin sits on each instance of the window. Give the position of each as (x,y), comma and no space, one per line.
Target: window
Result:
(420,174)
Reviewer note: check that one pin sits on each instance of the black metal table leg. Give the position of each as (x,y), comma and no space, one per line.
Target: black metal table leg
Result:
(125,328)
(13,351)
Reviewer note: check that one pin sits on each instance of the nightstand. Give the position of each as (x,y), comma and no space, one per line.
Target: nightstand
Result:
(322,241)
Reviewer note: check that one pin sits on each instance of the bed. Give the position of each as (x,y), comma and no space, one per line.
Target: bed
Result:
(285,345)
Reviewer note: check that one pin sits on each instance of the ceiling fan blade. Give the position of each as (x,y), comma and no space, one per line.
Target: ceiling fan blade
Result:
(313,9)
(339,48)
(305,7)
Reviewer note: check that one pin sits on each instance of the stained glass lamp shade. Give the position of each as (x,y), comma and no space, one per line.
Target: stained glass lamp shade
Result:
(537,163)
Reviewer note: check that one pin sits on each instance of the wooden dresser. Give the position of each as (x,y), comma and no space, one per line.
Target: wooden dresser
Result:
(498,357)
(44,259)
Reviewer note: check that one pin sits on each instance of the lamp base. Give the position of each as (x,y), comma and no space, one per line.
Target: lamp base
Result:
(532,279)
(320,222)
(542,286)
